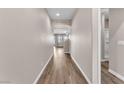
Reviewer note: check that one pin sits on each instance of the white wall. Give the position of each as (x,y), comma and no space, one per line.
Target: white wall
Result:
(25,44)
(117,41)
(81,43)
(85,42)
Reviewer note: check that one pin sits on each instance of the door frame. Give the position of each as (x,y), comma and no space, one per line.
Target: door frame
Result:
(96,46)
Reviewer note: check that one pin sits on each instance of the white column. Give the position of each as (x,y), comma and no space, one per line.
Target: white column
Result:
(96,46)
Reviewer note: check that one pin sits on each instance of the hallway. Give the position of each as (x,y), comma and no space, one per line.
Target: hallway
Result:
(28,36)
(61,70)
(27,40)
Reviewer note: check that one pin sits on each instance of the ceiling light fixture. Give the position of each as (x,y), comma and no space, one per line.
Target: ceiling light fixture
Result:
(57,14)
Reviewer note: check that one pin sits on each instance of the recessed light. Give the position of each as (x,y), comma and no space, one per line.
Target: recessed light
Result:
(57,14)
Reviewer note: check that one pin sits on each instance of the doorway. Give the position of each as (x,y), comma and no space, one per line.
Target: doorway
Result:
(105,46)
(59,40)
(106,76)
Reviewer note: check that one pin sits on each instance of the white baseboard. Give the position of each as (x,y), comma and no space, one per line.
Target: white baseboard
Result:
(117,74)
(103,60)
(67,52)
(87,79)
(39,75)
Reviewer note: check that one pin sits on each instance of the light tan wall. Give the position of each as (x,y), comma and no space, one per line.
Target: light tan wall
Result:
(117,41)
(81,40)
(25,44)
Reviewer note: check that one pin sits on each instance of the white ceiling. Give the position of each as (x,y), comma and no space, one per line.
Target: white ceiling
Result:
(65,13)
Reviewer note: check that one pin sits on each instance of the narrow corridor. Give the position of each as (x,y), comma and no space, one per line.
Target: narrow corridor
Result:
(62,70)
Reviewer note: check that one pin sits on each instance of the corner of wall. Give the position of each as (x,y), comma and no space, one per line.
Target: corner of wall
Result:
(116,74)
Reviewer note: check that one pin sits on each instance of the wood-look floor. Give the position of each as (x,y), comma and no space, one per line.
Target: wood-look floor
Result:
(61,70)
(107,77)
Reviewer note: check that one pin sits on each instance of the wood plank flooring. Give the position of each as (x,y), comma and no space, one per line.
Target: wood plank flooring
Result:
(61,70)
(107,77)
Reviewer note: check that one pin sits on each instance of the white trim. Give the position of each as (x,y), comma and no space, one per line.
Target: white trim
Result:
(99,45)
(103,60)
(87,79)
(116,74)
(42,70)
(96,45)
(67,52)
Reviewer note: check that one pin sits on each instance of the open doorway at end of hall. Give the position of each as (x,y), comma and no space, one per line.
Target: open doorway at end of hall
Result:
(62,41)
